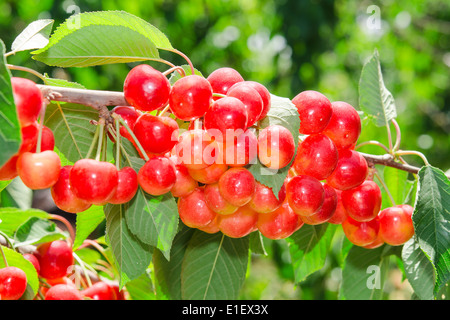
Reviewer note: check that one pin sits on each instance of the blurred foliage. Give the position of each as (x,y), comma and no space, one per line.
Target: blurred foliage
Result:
(290,46)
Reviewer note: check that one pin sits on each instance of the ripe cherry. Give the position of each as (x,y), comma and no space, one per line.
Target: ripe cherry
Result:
(222,79)
(13,283)
(47,140)
(264,200)
(305,195)
(340,214)
(156,135)
(127,186)
(9,170)
(63,292)
(55,258)
(314,110)
(344,127)
(190,97)
(39,170)
(209,174)
(28,99)
(363,202)
(211,227)
(129,116)
(240,150)
(361,233)
(193,210)
(216,202)
(225,114)
(237,186)
(326,211)
(276,147)
(34,261)
(29,137)
(63,195)
(265,96)
(251,99)
(157,176)
(146,89)
(279,224)
(396,225)
(317,156)
(351,170)
(94,181)
(184,183)
(196,149)
(99,291)
(238,224)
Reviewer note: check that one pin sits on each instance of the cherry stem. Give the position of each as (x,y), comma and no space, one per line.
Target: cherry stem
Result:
(398,136)
(94,141)
(98,247)
(176,68)
(411,152)
(101,124)
(389,137)
(118,142)
(41,127)
(166,108)
(68,226)
(4,256)
(25,69)
(83,267)
(220,95)
(384,186)
(138,144)
(186,58)
(373,142)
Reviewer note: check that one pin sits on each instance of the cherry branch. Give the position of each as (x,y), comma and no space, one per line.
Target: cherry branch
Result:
(388,160)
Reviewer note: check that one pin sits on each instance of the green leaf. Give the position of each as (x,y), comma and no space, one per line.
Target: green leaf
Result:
(17,194)
(431,218)
(34,36)
(36,230)
(62,83)
(187,70)
(397,182)
(4,184)
(257,243)
(15,259)
(309,248)
(96,38)
(71,128)
(282,112)
(168,271)
(131,256)
(87,222)
(141,288)
(214,267)
(12,218)
(418,269)
(10,136)
(374,99)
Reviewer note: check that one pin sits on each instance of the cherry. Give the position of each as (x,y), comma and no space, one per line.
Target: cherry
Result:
(156,135)
(239,151)
(396,225)
(363,202)
(211,227)
(39,170)
(53,282)
(94,181)
(228,113)
(351,170)
(344,127)
(305,194)
(326,211)
(237,186)
(34,261)
(196,149)
(146,89)
(264,200)
(222,79)
(314,110)
(238,224)
(29,138)
(340,214)
(99,291)
(276,147)
(361,233)
(190,97)
(9,170)
(216,202)
(13,283)
(129,116)
(28,99)
(251,99)
(317,156)
(127,186)
(63,195)
(55,258)
(157,176)
(377,243)
(47,140)
(279,224)
(63,292)
(184,183)
(209,174)
(193,210)
(265,96)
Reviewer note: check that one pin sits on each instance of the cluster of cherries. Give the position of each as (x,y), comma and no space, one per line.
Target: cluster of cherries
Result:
(54,262)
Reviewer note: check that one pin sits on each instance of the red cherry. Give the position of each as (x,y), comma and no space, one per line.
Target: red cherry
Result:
(28,99)
(363,202)
(129,115)
(351,170)
(317,156)
(156,135)
(326,211)
(237,186)
(99,291)
(305,195)
(55,258)
(193,210)
(127,186)
(157,176)
(377,243)
(340,214)
(13,283)
(146,89)
(34,261)
(238,224)
(264,200)
(216,202)
(209,174)
(276,147)
(63,196)
(396,225)
(239,151)
(314,110)
(190,97)
(279,224)
(196,149)
(222,79)
(63,292)
(184,183)
(226,114)
(9,170)
(361,233)
(29,138)
(47,140)
(265,96)
(39,170)
(94,181)
(344,127)
(211,227)
(251,99)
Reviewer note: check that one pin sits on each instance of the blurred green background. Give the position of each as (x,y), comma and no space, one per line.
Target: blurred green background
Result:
(291,46)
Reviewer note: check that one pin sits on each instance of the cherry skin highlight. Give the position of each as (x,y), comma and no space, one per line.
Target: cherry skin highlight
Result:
(13,283)
(237,186)
(314,110)
(157,176)
(39,170)
(363,202)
